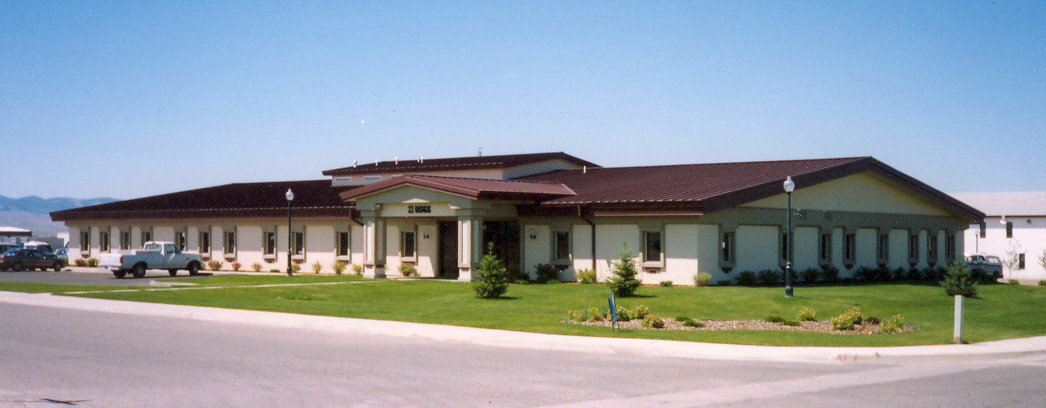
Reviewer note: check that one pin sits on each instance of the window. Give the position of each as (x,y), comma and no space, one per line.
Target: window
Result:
(562,245)
(931,249)
(343,244)
(913,248)
(270,243)
(125,240)
(882,252)
(825,250)
(1009,229)
(850,249)
(726,248)
(949,247)
(85,240)
(103,241)
(652,246)
(182,240)
(205,242)
(230,242)
(146,236)
(984,230)
(407,239)
(1020,262)
(298,239)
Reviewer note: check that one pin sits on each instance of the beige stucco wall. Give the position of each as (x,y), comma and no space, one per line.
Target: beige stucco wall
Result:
(863,192)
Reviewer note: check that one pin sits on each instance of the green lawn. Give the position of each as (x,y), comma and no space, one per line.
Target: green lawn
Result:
(1001,311)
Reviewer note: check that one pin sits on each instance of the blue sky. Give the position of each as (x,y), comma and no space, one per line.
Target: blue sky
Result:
(130,99)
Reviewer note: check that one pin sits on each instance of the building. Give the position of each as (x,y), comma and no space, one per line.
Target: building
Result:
(12,235)
(555,209)
(1014,230)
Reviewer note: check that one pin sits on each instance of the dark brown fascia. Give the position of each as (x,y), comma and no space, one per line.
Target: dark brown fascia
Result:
(311,212)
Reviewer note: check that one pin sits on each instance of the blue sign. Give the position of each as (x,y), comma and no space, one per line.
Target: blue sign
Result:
(613,310)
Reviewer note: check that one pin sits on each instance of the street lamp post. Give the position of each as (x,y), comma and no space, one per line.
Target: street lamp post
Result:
(789,186)
(290,234)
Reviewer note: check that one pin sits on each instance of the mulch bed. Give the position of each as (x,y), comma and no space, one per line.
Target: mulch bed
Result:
(818,326)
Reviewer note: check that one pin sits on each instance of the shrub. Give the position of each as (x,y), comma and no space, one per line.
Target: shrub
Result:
(810,275)
(959,281)
(81,262)
(640,311)
(830,273)
(591,315)
(774,318)
(688,322)
(339,267)
(806,314)
(653,322)
(893,324)
(214,265)
(933,274)
(407,269)
(1013,282)
(256,266)
(586,276)
(770,277)
(791,323)
(624,314)
(981,276)
(746,278)
(871,320)
(914,274)
(899,274)
(296,268)
(236,266)
(492,278)
(624,282)
(92,262)
(546,273)
(666,284)
(702,279)
(724,282)
(1042,283)
(316,267)
(847,320)
(357,269)
(274,270)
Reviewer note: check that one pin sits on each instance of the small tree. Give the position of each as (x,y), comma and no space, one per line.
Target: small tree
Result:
(1042,259)
(624,282)
(958,280)
(492,277)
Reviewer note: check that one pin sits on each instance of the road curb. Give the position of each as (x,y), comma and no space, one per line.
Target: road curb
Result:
(539,341)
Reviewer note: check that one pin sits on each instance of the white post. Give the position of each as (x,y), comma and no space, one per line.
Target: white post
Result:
(958,319)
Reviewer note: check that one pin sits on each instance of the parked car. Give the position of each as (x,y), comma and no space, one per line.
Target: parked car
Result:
(5,246)
(28,259)
(63,255)
(153,255)
(40,245)
(990,264)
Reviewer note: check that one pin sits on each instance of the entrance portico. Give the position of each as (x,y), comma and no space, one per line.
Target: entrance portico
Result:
(412,220)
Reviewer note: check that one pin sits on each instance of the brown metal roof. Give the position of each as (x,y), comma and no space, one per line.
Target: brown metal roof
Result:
(704,188)
(455,163)
(313,198)
(470,187)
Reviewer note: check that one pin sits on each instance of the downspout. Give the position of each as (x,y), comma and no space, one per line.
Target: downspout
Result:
(581,214)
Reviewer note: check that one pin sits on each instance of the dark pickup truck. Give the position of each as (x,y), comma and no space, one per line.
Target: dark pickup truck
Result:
(18,259)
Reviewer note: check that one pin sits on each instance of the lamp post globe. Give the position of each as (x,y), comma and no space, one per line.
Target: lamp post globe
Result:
(290,197)
(789,186)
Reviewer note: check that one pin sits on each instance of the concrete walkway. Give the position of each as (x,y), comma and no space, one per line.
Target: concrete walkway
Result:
(535,341)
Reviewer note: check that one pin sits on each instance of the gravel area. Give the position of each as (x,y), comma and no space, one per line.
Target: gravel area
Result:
(818,326)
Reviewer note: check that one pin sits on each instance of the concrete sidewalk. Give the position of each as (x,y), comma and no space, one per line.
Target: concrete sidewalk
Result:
(536,341)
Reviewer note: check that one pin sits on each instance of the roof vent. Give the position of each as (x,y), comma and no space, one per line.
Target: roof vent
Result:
(397,160)
(584,169)
(353,164)
(480,151)
(421,159)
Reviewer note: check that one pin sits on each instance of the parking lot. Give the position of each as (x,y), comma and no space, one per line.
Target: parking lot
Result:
(92,277)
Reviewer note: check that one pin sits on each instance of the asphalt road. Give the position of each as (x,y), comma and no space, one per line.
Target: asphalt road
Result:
(51,356)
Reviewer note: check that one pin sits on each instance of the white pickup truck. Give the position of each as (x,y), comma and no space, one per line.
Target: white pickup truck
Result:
(153,255)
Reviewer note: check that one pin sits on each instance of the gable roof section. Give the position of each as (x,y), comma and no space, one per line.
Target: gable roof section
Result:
(455,163)
(469,187)
(311,199)
(705,188)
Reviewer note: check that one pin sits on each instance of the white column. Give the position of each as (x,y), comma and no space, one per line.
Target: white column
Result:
(374,242)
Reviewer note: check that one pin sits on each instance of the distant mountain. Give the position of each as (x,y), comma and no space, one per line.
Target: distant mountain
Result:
(31,213)
(37,205)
